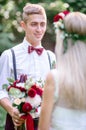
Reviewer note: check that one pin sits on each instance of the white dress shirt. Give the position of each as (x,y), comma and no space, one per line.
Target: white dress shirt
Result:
(33,65)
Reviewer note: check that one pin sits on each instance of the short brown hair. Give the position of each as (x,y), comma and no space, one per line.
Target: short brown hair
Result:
(32,9)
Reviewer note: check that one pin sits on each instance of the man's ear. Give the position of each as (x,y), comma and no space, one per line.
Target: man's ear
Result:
(23,25)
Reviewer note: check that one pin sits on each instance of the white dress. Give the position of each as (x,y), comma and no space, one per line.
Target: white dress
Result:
(64,118)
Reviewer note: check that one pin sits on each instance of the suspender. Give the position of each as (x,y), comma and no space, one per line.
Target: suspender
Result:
(14,63)
(49,60)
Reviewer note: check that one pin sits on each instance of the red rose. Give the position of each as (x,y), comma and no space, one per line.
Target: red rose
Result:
(60,15)
(32,92)
(57,17)
(34,86)
(26,107)
(66,12)
(39,91)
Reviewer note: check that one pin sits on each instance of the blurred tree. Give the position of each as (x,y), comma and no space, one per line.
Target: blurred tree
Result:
(77,5)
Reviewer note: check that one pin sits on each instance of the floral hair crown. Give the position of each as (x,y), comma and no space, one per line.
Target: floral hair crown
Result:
(59,25)
(58,20)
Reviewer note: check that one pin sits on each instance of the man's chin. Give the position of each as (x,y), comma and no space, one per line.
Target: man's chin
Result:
(38,39)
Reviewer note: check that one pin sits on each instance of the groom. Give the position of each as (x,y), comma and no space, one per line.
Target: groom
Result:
(31,58)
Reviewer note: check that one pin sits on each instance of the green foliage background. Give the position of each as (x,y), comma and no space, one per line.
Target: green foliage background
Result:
(11,33)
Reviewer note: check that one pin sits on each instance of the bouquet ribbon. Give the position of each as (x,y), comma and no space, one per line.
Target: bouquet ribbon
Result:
(29,121)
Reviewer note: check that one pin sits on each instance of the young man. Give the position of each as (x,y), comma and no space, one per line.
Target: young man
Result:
(31,58)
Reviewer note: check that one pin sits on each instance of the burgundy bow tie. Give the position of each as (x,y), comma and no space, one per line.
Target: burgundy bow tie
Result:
(38,50)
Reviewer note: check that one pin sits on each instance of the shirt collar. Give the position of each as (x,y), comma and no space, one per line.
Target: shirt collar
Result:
(26,44)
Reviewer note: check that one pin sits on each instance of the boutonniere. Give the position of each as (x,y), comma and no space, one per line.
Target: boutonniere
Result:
(53,65)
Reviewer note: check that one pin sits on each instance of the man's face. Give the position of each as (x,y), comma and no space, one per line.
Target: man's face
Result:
(35,28)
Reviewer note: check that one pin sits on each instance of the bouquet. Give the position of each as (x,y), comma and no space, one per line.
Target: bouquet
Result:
(26,96)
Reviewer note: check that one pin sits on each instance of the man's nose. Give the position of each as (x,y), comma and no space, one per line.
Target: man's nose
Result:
(38,28)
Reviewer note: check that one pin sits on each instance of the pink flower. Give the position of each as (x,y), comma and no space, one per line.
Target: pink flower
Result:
(26,107)
(32,92)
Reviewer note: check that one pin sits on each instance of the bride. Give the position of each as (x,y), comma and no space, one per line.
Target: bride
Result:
(64,97)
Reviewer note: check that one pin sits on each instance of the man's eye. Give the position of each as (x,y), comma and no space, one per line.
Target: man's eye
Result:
(33,24)
(42,24)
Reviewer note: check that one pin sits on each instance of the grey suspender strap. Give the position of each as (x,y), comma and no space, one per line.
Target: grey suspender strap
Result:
(49,60)
(14,64)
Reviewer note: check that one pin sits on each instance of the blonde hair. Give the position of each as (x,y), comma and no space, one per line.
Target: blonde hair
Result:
(71,66)
(74,22)
(32,9)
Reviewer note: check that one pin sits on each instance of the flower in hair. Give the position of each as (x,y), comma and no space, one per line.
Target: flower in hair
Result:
(60,16)
(58,20)
(59,25)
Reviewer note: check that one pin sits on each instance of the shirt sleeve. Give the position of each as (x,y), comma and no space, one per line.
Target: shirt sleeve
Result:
(4,72)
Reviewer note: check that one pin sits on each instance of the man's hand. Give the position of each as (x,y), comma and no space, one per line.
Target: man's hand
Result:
(17,120)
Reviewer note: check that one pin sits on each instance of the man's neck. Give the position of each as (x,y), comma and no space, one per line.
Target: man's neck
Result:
(34,44)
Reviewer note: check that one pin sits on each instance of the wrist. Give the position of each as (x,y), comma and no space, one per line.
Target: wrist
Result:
(6,104)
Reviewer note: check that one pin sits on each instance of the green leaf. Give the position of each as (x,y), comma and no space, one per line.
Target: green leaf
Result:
(20,107)
(11,80)
(15,105)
